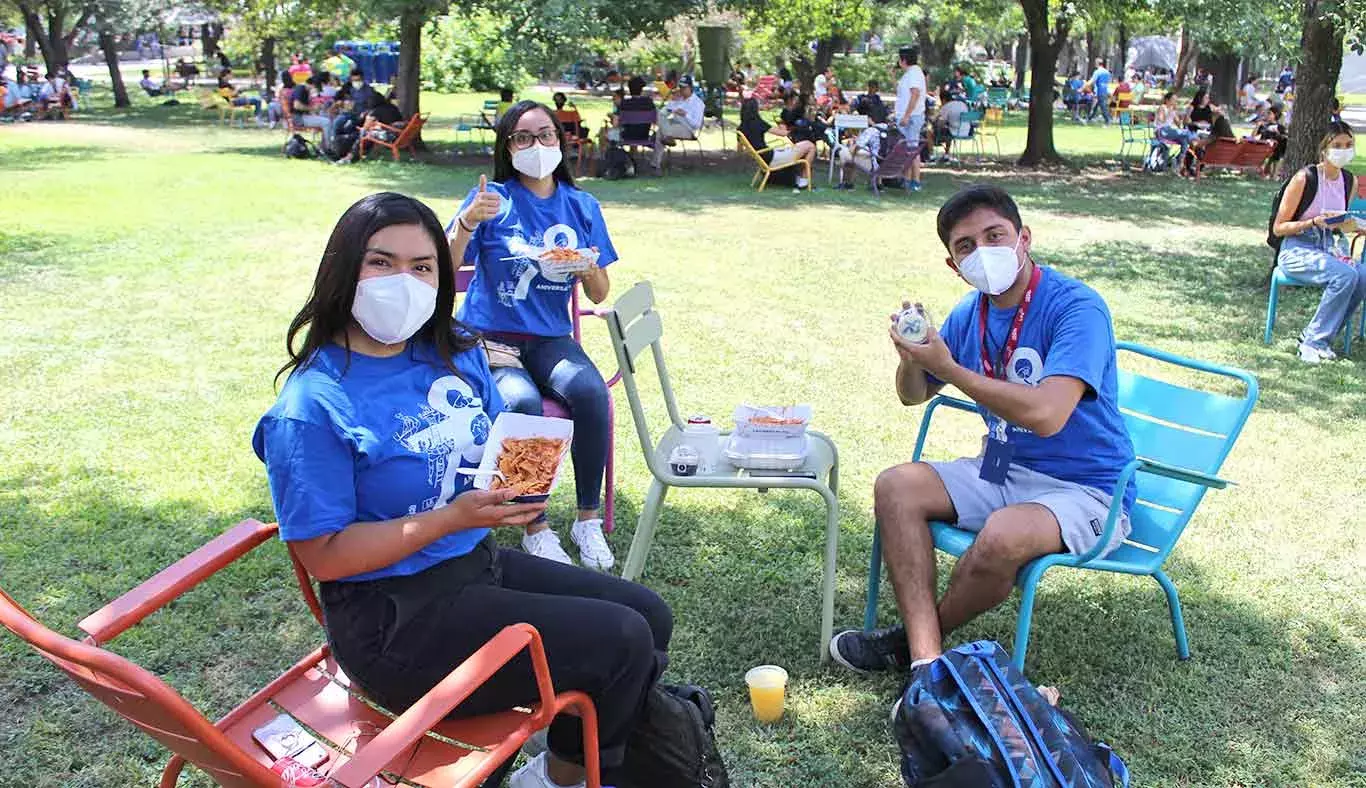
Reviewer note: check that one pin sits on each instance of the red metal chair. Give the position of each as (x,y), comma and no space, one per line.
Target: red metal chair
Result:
(570,122)
(315,692)
(463,277)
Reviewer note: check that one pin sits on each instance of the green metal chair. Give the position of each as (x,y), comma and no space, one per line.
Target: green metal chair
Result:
(1132,137)
(634,325)
(1181,437)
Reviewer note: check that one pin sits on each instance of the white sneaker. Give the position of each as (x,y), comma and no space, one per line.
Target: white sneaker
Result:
(593,550)
(545,544)
(801,183)
(1313,355)
(533,775)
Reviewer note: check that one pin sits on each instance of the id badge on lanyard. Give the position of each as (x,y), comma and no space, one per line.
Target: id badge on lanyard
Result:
(999,451)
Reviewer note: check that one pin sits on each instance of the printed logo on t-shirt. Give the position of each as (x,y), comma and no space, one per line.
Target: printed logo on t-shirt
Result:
(526,264)
(1026,366)
(452,422)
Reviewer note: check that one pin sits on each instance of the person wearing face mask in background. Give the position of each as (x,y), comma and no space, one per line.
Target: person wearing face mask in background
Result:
(1035,350)
(1314,251)
(501,229)
(386,398)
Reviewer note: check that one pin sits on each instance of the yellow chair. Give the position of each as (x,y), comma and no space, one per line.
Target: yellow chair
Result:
(766,169)
(992,120)
(226,111)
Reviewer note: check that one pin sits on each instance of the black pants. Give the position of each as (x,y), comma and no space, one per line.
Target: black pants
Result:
(398,637)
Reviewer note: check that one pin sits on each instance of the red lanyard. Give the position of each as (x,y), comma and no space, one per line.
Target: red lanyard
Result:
(1012,339)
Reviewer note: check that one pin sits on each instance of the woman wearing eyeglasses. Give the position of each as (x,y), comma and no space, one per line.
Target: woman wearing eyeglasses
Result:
(502,228)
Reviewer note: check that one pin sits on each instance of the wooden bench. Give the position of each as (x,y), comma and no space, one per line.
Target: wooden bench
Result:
(404,138)
(1235,154)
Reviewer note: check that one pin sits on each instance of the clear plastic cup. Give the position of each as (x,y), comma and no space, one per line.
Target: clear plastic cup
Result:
(767,688)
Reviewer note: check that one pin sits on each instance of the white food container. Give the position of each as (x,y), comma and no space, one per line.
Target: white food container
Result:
(521,425)
(587,259)
(767,446)
(913,324)
(705,438)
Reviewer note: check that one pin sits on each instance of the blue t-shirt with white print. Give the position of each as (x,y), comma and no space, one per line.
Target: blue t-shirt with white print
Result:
(509,292)
(371,439)
(1067,331)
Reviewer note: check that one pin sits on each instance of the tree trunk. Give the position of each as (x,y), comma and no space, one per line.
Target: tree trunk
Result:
(268,62)
(1122,62)
(1092,52)
(1225,85)
(1044,46)
(111,59)
(1021,60)
(209,39)
(1185,58)
(409,59)
(1315,83)
(937,47)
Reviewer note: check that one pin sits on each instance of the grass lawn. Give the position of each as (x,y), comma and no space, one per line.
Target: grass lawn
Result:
(152,261)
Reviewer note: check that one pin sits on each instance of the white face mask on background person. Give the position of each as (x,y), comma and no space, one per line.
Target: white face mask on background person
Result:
(392,308)
(538,161)
(1340,157)
(991,269)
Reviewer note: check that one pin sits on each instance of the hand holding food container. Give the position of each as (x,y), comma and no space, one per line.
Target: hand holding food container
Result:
(913,323)
(526,453)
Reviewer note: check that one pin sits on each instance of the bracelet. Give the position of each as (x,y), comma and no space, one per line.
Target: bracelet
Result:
(461,221)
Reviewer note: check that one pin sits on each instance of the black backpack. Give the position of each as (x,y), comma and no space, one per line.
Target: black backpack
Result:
(616,164)
(673,744)
(1311,188)
(299,148)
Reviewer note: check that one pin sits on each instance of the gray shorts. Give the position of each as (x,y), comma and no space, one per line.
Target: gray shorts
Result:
(1081,510)
(911,131)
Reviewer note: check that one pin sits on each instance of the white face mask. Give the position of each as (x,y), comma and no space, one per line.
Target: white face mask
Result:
(1340,157)
(538,161)
(392,308)
(991,269)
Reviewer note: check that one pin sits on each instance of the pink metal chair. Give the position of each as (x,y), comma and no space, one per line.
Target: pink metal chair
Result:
(463,276)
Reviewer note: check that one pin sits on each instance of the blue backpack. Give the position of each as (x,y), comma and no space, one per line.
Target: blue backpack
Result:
(970,720)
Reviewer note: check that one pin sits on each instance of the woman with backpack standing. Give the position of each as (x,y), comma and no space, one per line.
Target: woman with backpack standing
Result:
(502,229)
(1310,242)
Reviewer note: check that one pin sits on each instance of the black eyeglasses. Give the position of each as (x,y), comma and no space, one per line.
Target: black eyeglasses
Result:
(521,140)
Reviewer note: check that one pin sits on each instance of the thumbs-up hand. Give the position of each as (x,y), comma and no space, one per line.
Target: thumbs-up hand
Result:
(484,206)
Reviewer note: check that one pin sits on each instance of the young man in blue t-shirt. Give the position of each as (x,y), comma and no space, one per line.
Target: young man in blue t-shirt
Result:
(1036,351)
(1100,83)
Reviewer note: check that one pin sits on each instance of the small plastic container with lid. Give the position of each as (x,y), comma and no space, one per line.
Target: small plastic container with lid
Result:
(913,324)
(705,438)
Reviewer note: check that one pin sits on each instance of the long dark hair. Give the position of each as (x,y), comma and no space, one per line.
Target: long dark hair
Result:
(327,313)
(749,111)
(502,144)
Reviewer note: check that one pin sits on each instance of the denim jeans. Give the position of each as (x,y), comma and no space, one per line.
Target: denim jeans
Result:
(1344,286)
(1182,137)
(1102,107)
(558,367)
(397,637)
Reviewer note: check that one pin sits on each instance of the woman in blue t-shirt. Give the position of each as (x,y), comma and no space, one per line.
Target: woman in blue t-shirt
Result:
(502,228)
(386,400)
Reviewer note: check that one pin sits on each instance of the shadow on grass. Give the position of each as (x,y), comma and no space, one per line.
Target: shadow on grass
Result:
(72,541)
(1219,293)
(43,157)
(743,580)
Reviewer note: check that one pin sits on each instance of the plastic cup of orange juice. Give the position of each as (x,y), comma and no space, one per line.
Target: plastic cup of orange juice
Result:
(767,686)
